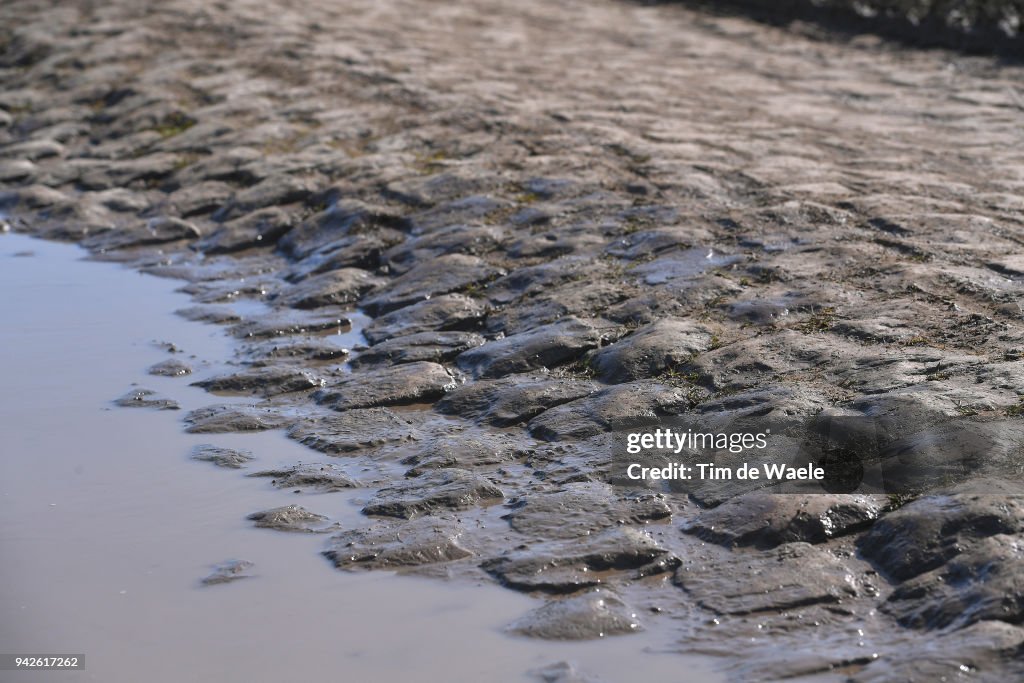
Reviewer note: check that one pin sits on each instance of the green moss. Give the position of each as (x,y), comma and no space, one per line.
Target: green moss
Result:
(428,164)
(582,367)
(898,500)
(820,321)
(173,124)
(916,341)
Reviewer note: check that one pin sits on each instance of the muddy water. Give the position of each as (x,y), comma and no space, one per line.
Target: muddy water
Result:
(106,525)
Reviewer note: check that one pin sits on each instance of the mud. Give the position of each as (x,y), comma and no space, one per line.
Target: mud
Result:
(229,571)
(221,457)
(145,524)
(559,217)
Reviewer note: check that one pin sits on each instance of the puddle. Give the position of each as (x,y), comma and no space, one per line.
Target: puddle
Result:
(682,265)
(107,525)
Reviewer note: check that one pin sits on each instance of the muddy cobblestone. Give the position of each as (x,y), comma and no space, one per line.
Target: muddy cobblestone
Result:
(560,216)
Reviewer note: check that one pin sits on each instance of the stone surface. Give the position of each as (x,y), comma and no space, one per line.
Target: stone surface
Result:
(603,410)
(513,399)
(306,351)
(766,520)
(333,288)
(221,457)
(462,450)
(154,231)
(652,350)
(352,430)
(594,614)
(401,544)
(229,571)
(566,566)
(233,418)
(289,518)
(402,384)
(448,312)
(791,577)
(309,477)
(835,230)
(544,347)
(146,398)
(443,489)
(580,509)
(982,583)
(436,347)
(264,382)
(286,325)
(443,275)
(560,672)
(926,533)
(170,368)
(260,228)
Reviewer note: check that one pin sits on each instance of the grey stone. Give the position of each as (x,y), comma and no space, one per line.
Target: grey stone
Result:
(153,231)
(463,450)
(200,199)
(339,220)
(545,347)
(644,243)
(981,583)
(471,209)
(209,314)
(925,533)
(274,351)
(602,411)
(289,518)
(766,520)
(273,191)
(566,566)
(594,614)
(333,288)
(396,545)
(987,651)
(443,275)
(350,251)
(454,239)
(279,325)
(794,576)
(170,368)
(229,571)
(265,382)
(652,350)
(17,170)
(401,384)
(583,299)
(436,347)
(352,430)
(309,476)
(221,457)
(33,150)
(261,228)
(448,312)
(233,418)
(560,672)
(146,398)
(512,399)
(445,489)
(126,201)
(106,175)
(580,509)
